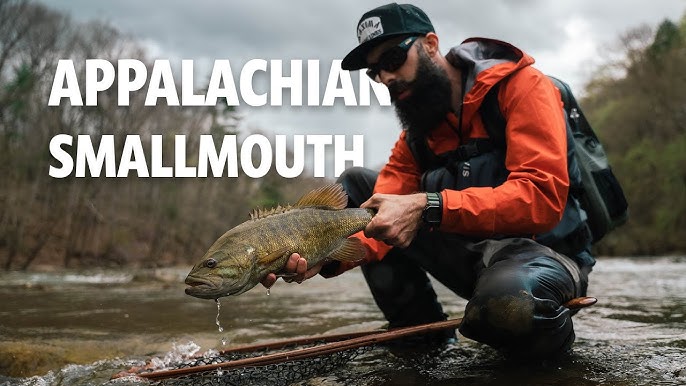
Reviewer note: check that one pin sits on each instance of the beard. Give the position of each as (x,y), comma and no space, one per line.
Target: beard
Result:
(430,98)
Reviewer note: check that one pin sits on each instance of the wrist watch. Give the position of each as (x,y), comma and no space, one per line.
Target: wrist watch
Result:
(433,211)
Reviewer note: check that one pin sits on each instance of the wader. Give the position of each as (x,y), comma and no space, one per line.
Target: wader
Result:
(515,286)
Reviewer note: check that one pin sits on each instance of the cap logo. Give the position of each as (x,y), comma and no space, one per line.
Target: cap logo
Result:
(369,28)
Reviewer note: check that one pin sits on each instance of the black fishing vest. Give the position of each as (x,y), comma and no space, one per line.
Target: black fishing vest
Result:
(481,163)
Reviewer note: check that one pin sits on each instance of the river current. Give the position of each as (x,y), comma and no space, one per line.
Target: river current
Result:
(80,328)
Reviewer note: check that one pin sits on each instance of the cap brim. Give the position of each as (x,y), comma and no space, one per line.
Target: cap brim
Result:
(357,58)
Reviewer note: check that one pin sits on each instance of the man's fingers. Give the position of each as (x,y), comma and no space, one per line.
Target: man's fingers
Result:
(373,202)
(269,280)
(377,230)
(301,267)
(292,263)
(371,230)
(313,271)
(296,265)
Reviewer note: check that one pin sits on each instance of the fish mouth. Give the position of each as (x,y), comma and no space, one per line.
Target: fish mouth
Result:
(210,287)
(204,288)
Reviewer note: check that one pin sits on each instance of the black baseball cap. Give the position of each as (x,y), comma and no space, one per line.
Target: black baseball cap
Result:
(381,24)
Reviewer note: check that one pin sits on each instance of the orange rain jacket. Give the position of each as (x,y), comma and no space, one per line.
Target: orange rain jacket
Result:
(533,198)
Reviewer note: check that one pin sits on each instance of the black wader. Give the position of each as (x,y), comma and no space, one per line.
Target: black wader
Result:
(515,286)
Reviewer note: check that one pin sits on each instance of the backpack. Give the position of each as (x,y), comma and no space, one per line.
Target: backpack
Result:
(598,191)
(600,194)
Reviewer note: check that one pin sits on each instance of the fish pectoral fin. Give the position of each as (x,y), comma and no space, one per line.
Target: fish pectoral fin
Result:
(330,196)
(349,250)
(272,257)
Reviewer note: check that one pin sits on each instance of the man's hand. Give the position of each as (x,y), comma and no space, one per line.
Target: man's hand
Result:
(398,217)
(297,265)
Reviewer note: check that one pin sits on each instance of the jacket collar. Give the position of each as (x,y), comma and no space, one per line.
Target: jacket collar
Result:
(484,63)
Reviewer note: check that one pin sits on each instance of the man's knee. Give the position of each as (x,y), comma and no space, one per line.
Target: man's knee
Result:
(495,318)
(516,309)
(519,325)
(358,183)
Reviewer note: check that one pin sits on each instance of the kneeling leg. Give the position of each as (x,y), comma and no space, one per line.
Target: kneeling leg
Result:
(517,306)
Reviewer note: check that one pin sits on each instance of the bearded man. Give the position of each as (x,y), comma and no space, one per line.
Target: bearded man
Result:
(489,215)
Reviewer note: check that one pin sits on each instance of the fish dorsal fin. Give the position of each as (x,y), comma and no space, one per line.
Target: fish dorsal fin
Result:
(350,250)
(258,213)
(330,196)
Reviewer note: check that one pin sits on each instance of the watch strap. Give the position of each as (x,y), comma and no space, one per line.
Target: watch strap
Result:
(433,212)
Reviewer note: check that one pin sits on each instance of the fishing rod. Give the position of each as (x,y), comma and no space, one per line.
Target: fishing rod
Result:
(333,343)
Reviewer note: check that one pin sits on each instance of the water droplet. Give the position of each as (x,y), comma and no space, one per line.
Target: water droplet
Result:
(216,320)
(268,291)
(224,341)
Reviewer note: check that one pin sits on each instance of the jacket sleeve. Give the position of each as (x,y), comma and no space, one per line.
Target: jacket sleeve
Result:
(399,176)
(533,197)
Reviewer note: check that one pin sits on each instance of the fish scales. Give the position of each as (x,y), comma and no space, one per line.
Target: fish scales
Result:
(317,228)
(309,231)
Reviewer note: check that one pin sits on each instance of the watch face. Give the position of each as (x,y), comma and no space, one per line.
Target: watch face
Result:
(432,212)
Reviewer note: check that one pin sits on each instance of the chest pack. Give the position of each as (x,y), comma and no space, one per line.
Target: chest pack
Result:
(482,163)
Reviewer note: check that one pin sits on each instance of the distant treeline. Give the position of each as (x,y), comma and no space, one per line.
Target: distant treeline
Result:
(637,104)
(81,222)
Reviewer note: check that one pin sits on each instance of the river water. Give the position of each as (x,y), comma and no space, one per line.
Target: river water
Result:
(79,328)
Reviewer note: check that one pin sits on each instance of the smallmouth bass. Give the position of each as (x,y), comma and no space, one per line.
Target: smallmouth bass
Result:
(317,227)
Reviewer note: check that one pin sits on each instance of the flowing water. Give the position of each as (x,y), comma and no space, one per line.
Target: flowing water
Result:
(79,328)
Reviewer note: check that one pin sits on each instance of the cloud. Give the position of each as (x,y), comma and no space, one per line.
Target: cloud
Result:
(564,36)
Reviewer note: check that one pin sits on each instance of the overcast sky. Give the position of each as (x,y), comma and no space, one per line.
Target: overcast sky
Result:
(565,37)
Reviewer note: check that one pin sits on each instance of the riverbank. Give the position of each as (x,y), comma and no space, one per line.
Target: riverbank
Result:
(79,328)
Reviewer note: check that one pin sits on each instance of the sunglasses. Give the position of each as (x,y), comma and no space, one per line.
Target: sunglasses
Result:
(391,59)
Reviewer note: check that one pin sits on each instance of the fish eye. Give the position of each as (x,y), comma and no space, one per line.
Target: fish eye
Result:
(210,263)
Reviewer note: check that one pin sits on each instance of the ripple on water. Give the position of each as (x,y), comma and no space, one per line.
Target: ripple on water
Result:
(634,335)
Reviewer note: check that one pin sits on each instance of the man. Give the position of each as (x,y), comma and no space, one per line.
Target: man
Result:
(476,211)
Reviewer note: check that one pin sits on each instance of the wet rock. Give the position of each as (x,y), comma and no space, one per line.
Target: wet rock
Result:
(23,360)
